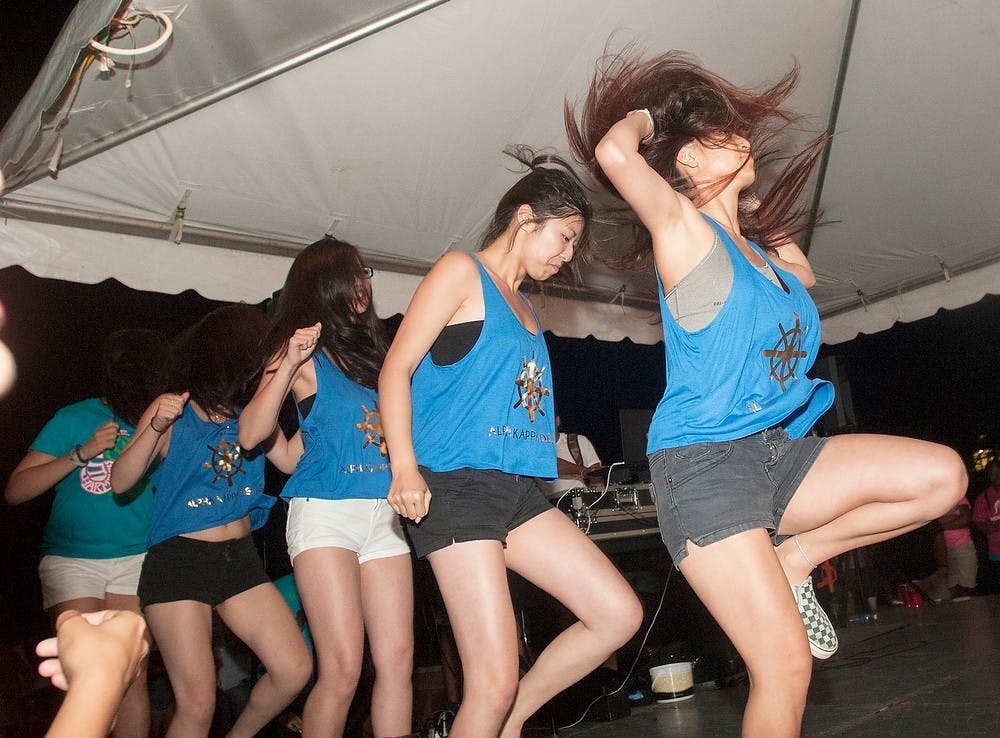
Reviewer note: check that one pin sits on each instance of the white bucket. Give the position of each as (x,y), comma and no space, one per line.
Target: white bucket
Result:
(672,682)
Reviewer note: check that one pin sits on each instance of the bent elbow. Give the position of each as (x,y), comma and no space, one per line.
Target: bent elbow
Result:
(609,154)
(117,483)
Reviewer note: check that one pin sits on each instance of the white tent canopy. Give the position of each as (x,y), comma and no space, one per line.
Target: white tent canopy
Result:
(258,127)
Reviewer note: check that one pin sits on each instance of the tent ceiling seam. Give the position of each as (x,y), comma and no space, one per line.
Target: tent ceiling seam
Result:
(164,230)
(911,285)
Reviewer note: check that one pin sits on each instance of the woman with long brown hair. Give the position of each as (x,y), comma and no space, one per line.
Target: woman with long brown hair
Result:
(351,560)
(730,460)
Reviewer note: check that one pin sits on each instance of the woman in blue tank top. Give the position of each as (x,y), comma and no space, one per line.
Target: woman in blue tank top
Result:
(351,560)
(467,439)
(209,495)
(729,455)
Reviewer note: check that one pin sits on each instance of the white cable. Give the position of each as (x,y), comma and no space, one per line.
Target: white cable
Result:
(168,29)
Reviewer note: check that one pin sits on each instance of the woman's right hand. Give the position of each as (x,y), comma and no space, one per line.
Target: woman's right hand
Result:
(409,495)
(168,408)
(302,344)
(102,439)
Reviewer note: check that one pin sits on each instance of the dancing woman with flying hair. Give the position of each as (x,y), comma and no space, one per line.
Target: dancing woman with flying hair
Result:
(469,419)
(747,502)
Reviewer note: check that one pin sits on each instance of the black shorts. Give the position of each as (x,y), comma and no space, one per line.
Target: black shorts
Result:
(474,505)
(182,568)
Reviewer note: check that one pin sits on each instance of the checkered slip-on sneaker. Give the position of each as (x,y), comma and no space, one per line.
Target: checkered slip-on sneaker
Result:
(823,641)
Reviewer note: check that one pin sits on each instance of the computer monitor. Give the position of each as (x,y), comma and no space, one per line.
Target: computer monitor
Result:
(634,427)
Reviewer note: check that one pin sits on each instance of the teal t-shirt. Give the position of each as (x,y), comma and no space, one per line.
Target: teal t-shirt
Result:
(89,521)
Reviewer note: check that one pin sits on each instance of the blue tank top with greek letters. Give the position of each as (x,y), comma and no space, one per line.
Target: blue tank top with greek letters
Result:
(206,480)
(345,455)
(746,370)
(493,408)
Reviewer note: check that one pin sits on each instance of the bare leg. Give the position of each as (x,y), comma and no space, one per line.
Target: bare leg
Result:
(473,581)
(133,715)
(863,489)
(329,582)
(261,619)
(742,584)
(183,631)
(609,612)
(387,603)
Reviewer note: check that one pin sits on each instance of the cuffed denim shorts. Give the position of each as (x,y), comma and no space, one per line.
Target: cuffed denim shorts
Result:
(474,505)
(705,492)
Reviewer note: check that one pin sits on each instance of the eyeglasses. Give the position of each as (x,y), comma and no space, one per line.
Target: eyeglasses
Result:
(368,272)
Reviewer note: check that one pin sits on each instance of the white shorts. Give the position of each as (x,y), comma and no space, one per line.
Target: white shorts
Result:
(64,578)
(369,528)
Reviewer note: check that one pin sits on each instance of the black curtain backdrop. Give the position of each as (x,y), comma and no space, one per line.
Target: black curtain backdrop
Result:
(936,379)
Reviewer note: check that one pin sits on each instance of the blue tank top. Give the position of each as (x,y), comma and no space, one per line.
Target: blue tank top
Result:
(206,480)
(345,455)
(746,370)
(492,409)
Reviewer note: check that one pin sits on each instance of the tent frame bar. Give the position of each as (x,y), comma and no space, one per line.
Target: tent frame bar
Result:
(342,39)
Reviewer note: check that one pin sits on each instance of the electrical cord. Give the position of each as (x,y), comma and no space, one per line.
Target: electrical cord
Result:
(635,661)
(162,18)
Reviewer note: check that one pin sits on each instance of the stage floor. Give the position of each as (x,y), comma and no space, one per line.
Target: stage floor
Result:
(929,671)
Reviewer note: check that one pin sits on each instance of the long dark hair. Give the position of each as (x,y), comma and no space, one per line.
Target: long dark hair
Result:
(690,103)
(552,191)
(218,359)
(326,284)
(133,370)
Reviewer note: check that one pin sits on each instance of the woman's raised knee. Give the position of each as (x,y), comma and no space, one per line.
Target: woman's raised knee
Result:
(947,481)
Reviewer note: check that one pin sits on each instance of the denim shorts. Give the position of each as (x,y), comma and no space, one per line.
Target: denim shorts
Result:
(474,505)
(705,492)
(211,572)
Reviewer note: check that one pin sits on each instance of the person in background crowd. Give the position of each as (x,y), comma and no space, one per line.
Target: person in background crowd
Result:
(730,460)
(955,554)
(351,561)
(94,541)
(986,520)
(468,437)
(8,369)
(576,459)
(209,497)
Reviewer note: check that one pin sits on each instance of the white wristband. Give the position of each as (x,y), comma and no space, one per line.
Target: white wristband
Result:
(652,126)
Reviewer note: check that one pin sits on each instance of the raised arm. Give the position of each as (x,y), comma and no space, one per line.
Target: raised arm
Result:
(39,471)
(259,418)
(448,291)
(152,438)
(681,237)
